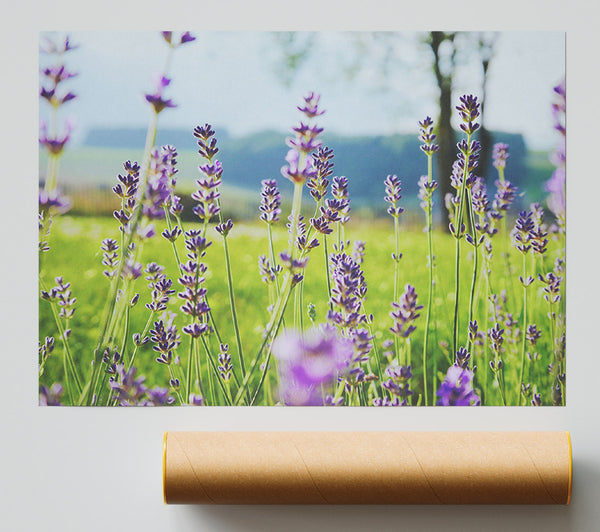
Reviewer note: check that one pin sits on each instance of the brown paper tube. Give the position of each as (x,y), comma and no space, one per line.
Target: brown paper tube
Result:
(367,467)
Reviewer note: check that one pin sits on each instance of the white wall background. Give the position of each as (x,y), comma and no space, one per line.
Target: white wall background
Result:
(87,470)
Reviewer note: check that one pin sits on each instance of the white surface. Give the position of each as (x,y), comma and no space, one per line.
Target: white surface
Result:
(99,469)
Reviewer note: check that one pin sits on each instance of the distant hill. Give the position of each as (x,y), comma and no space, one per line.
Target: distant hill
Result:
(365,160)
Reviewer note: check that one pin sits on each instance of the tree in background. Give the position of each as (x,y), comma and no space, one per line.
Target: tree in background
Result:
(448,50)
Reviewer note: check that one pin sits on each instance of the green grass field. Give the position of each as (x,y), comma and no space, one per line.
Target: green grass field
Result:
(75,254)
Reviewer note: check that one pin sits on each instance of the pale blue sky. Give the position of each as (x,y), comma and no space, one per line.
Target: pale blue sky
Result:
(231,80)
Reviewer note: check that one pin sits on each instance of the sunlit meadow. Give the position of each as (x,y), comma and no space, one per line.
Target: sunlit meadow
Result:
(310,303)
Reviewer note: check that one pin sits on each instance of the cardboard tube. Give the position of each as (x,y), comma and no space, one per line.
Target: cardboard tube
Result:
(367,468)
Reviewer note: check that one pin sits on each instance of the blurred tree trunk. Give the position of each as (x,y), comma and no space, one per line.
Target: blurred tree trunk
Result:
(444,74)
(486,51)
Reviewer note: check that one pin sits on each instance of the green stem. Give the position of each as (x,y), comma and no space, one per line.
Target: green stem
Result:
(327,272)
(143,335)
(111,300)
(233,308)
(523,332)
(457,236)
(430,293)
(397,279)
(68,362)
(215,372)
(282,301)
(474,277)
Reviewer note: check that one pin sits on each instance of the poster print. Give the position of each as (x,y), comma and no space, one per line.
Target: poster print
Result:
(305,219)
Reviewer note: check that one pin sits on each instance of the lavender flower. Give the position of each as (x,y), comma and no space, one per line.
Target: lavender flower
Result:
(270,204)
(457,388)
(398,384)
(225,366)
(49,46)
(173,234)
(300,167)
(127,189)
(358,253)
(224,228)
(500,155)
(161,182)
(192,280)
(54,144)
(348,288)
(110,255)
(161,291)
(196,400)
(292,264)
(267,272)
(405,313)
(184,38)
(533,334)
(324,165)
(61,294)
(164,341)
(556,184)
(426,190)
(208,193)
(427,137)
(551,289)
(339,189)
(44,350)
(311,105)
(310,362)
(51,396)
(468,111)
(522,232)
(462,358)
(128,389)
(156,99)
(505,196)
(393,187)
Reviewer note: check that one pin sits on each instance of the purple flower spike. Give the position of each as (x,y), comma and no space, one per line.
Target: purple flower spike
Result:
(522,232)
(405,313)
(156,99)
(311,105)
(270,201)
(468,111)
(51,396)
(427,137)
(310,362)
(393,188)
(185,37)
(500,155)
(300,167)
(224,228)
(457,389)
(324,166)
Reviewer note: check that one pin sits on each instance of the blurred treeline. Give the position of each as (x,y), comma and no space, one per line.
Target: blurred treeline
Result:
(89,171)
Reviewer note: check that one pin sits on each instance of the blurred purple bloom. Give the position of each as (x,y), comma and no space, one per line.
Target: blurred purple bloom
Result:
(156,98)
(185,37)
(49,46)
(51,396)
(53,202)
(310,106)
(55,144)
(500,155)
(309,363)
(457,389)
